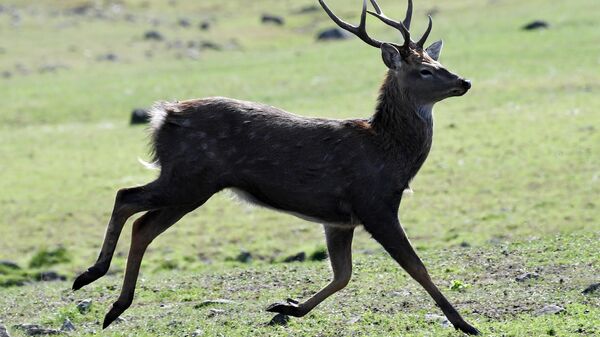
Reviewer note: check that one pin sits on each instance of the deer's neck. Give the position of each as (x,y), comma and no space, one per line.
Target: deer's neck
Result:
(406,128)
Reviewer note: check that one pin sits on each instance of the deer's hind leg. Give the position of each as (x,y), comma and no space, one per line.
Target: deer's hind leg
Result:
(161,193)
(145,230)
(339,246)
(128,202)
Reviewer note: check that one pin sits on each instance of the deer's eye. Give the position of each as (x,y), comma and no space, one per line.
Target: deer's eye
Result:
(426,72)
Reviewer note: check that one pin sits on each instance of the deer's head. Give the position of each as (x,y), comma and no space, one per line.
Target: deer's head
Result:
(420,77)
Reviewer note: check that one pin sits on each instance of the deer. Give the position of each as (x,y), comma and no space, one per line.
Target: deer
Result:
(341,173)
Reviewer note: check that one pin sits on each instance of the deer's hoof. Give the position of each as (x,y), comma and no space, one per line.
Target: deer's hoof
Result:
(114,313)
(89,276)
(290,308)
(468,329)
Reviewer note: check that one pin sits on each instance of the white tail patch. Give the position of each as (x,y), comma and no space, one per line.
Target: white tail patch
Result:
(149,165)
(159,111)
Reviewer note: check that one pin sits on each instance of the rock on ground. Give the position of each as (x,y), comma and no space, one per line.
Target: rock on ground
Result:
(204,25)
(444,322)
(36,330)
(549,310)
(591,289)
(300,257)
(307,9)
(84,306)
(197,333)
(244,257)
(333,34)
(214,312)
(527,276)
(211,302)
(153,35)
(274,19)
(51,276)
(183,22)
(3,331)
(9,264)
(537,24)
(279,319)
(139,116)
(67,326)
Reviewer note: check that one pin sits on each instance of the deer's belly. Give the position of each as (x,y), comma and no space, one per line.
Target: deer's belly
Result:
(338,215)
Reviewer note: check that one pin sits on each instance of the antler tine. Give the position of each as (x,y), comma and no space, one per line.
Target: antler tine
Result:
(360,31)
(421,42)
(401,26)
(408,17)
(398,25)
(376,6)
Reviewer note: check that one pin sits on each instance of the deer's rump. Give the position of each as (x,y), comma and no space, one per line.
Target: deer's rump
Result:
(303,166)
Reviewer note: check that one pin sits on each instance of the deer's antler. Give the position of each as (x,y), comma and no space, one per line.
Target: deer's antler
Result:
(360,30)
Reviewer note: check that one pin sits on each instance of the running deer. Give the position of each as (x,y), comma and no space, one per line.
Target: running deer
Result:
(340,173)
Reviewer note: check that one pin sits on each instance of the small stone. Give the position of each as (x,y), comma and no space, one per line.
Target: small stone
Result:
(211,302)
(318,255)
(184,23)
(537,24)
(591,289)
(153,35)
(300,257)
(36,330)
(193,54)
(549,310)
(214,312)
(109,57)
(81,9)
(51,68)
(527,276)
(197,333)
(51,276)
(444,322)
(274,19)
(279,319)
(84,306)
(67,326)
(139,116)
(204,25)
(333,34)
(173,323)
(3,331)
(244,257)
(210,45)
(353,320)
(9,264)
(307,9)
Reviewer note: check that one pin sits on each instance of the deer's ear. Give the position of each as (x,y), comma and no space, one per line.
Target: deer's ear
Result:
(391,56)
(435,49)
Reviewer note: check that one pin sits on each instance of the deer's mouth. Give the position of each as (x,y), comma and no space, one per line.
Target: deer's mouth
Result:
(465,85)
(458,91)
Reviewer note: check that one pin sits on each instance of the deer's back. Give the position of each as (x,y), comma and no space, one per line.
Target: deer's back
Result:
(308,166)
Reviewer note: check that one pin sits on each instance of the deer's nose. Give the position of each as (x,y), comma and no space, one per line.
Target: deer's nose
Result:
(466,84)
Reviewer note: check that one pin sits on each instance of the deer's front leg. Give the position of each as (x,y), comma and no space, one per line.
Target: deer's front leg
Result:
(387,231)
(339,246)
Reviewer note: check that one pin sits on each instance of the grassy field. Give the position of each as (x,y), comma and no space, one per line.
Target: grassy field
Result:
(511,186)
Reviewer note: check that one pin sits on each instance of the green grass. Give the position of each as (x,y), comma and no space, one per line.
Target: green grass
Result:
(514,171)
